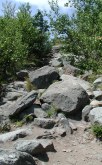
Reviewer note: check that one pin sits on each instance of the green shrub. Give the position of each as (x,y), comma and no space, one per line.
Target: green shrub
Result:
(52,111)
(97,131)
(5,128)
(29,86)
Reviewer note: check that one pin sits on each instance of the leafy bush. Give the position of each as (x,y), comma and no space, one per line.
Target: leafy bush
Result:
(97,131)
(23,39)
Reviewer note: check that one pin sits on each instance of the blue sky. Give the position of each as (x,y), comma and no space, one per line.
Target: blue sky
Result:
(39,4)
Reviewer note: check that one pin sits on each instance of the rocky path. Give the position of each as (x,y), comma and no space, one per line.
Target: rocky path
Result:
(47,119)
(79,148)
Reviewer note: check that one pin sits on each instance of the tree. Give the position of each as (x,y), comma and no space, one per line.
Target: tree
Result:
(82,33)
(21,41)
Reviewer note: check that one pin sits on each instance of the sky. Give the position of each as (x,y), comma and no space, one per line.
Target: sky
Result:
(39,4)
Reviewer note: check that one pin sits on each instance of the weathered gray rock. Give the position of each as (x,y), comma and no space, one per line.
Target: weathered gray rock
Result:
(22,74)
(96,103)
(31,147)
(95,115)
(69,69)
(14,157)
(45,106)
(61,116)
(98,81)
(34,147)
(85,112)
(35,110)
(98,95)
(55,62)
(47,145)
(14,135)
(15,86)
(44,123)
(64,123)
(60,131)
(11,96)
(22,103)
(84,84)
(43,77)
(67,96)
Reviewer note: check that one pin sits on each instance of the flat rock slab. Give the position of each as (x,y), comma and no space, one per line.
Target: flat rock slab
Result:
(14,157)
(14,135)
(22,103)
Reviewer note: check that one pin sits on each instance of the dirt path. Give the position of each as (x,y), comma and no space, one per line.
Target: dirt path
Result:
(80,148)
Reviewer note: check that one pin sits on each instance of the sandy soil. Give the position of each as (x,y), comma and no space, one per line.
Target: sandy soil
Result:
(80,148)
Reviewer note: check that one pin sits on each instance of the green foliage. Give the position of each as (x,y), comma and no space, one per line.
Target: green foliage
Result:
(81,34)
(29,86)
(52,111)
(5,128)
(23,39)
(97,131)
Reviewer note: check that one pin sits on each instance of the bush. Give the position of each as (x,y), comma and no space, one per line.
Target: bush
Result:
(97,131)
(29,86)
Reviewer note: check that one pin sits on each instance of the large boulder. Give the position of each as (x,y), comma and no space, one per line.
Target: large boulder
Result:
(22,103)
(43,77)
(84,84)
(14,157)
(66,96)
(95,115)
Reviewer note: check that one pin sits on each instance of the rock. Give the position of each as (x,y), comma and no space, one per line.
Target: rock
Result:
(96,103)
(47,145)
(35,110)
(15,86)
(60,131)
(66,96)
(14,157)
(44,123)
(46,135)
(69,69)
(95,115)
(84,84)
(72,126)
(85,112)
(64,123)
(38,112)
(14,135)
(11,96)
(98,95)
(34,147)
(22,74)
(55,62)
(43,77)
(45,106)
(22,103)
(60,116)
(98,81)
